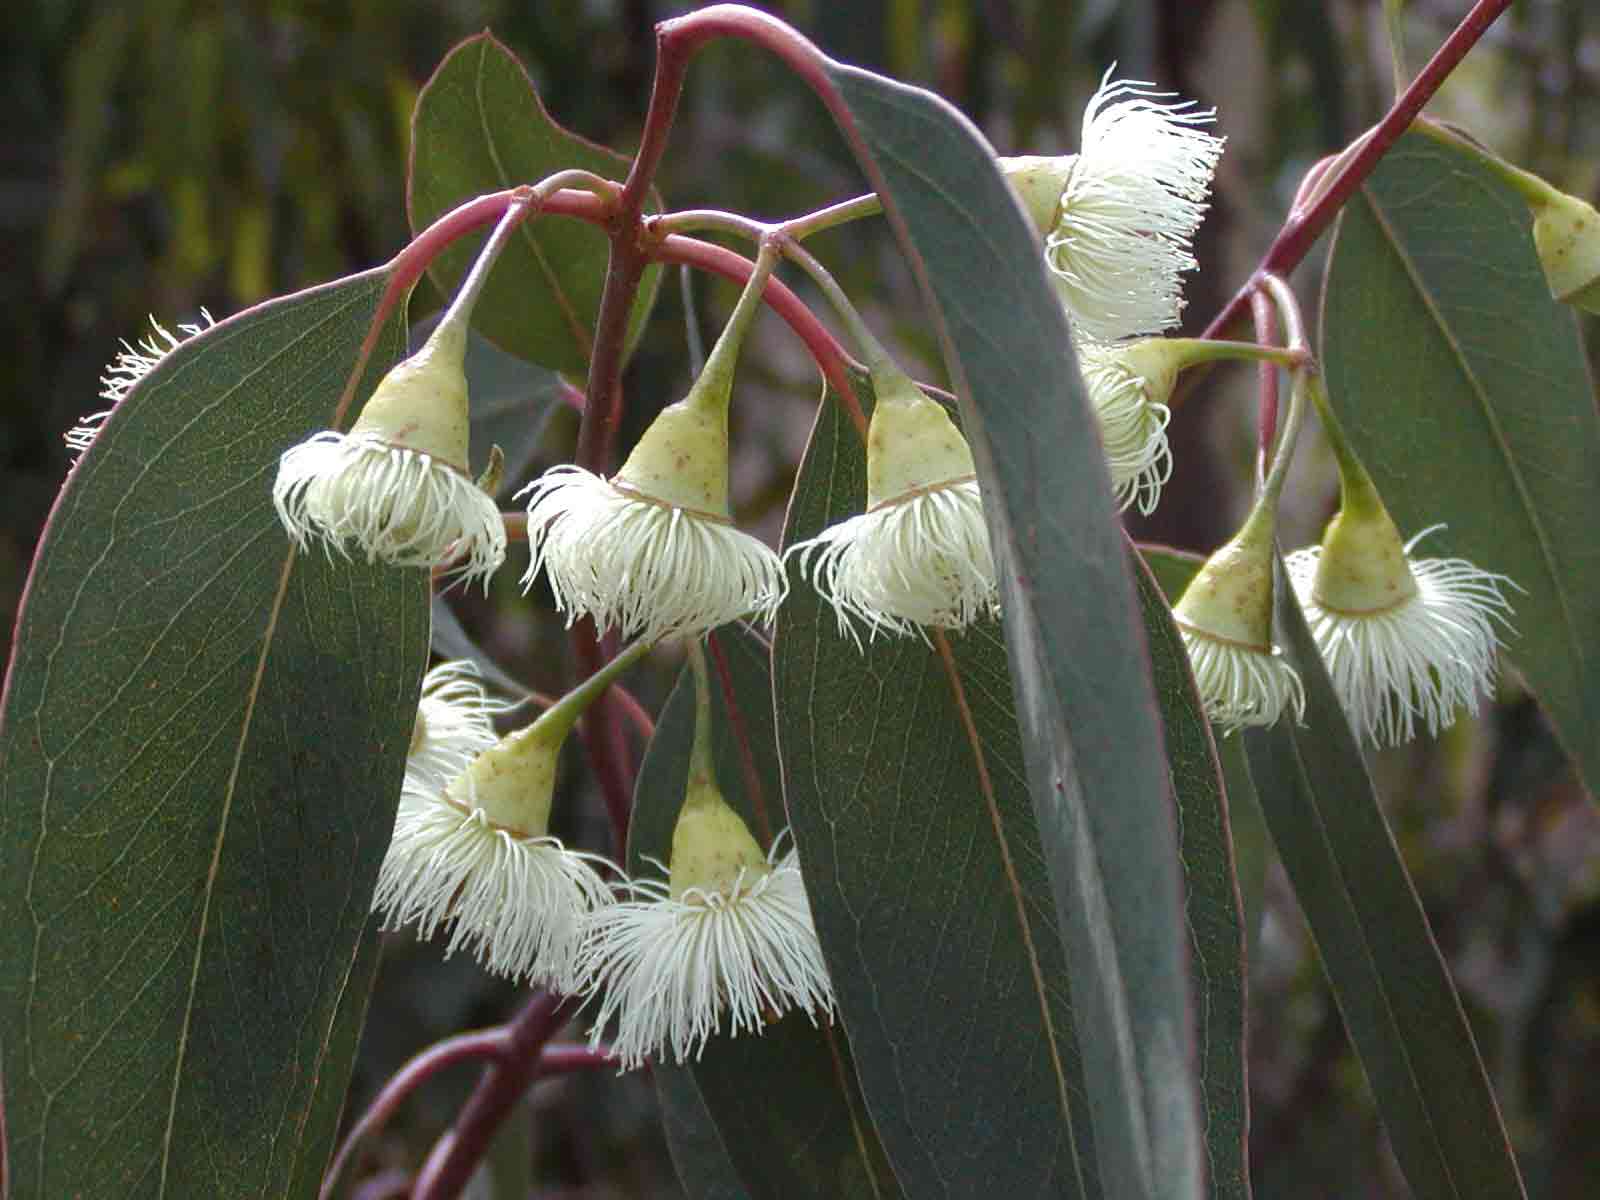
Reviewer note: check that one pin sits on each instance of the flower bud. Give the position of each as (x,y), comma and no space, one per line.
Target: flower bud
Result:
(1225,618)
(1566,233)
(920,553)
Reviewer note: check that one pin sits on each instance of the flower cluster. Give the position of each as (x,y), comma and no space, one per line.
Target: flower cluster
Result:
(725,943)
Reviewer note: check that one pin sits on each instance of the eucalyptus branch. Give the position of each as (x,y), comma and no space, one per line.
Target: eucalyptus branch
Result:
(1302,229)
(458,1152)
(482,1043)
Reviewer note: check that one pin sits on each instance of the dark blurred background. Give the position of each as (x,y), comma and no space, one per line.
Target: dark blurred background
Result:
(166,155)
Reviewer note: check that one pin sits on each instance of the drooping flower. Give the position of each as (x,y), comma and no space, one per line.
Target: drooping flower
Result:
(1129,383)
(640,557)
(653,550)
(1225,619)
(728,936)
(728,933)
(132,363)
(396,486)
(475,854)
(1119,217)
(1404,639)
(919,554)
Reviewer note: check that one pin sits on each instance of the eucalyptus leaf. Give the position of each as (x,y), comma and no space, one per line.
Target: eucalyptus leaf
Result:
(785,1103)
(1212,907)
(1487,421)
(479,127)
(1392,986)
(908,795)
(201,747)
(1091,731)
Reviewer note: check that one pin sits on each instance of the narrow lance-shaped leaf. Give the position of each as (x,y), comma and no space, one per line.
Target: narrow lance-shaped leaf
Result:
(907,792)
(1487,422)
(1211,898)
(201,747)
(1079,665)
(785,1103)
(1393,989)
(479,127)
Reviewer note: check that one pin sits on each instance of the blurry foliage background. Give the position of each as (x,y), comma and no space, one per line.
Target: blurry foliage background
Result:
(169,154)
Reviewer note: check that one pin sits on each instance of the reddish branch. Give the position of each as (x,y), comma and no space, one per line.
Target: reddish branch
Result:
(1301,231)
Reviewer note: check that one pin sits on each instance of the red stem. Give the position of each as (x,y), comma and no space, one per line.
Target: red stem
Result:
(457,1153)
(565,1059)
(830,357)
(604,743)
(1301,231)
(483,1043)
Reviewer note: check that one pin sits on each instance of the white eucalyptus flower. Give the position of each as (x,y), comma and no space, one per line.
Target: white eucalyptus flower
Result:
(396,485)
(919,555)
(1119,217)
(476,855)
(1242,685)
(638,564)
(1404,640)
(397,505)
(673,967)
(133,363)
(1129,384)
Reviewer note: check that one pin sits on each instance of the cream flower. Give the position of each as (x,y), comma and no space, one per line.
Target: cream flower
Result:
(636,562)
(1128,211)
(1420,650)
(670,965)
(917,559)
(133,363)
(396,485)
(476,854)
(1242,685)
(920,554)
(517,901)
(401,506)
(1128,388)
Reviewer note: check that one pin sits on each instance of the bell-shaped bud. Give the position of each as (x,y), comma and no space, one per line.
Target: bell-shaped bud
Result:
(919,554)
(1225,618)
(653,551)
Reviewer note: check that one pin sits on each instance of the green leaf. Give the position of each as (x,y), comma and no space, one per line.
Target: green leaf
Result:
(927,879)
(1393,989)
(479,127)
(1487,419)
(1091,732)
(786,1103)
(1211,897)
(698,1152)
(201,748)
